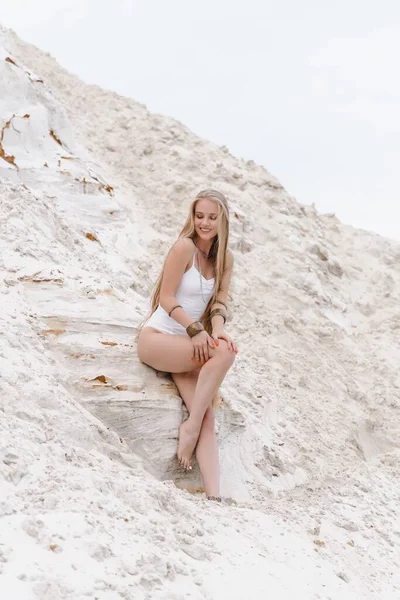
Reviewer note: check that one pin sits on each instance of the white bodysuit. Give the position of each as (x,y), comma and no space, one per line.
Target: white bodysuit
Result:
(193,294)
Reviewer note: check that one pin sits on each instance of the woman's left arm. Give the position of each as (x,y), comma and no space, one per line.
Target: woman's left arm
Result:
(217,321)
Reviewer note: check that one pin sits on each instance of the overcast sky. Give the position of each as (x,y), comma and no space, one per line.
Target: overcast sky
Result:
(310,90)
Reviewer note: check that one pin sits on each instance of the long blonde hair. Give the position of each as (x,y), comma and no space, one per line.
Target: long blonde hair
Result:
(218,250)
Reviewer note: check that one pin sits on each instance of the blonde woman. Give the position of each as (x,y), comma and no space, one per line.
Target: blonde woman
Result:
(184,334)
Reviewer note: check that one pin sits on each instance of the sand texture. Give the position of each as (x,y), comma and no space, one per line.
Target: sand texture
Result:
(93,190)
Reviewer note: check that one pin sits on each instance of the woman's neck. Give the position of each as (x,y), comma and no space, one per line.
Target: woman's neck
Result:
(203,246)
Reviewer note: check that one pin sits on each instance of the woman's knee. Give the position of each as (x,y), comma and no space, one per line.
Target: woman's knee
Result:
(224,354)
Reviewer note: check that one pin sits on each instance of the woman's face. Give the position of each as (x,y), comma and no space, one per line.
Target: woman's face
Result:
(206,219)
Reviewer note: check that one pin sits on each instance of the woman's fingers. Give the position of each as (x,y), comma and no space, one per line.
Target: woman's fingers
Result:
(205,351)
(229,342)
(213,342)
(199,354)
(201,351)
(203,354)
(195,353)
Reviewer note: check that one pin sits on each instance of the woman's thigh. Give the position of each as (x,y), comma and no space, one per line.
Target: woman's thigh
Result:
(166,352)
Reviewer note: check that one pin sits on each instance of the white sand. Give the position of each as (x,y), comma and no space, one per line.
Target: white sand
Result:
(309,433)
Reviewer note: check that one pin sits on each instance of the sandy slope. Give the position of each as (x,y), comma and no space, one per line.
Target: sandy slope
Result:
(93,189)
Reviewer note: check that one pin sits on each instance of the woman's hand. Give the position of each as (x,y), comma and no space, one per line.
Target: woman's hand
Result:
(224,336)
(201,342)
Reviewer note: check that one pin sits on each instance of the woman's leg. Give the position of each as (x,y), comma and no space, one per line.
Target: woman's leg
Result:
(172,353)
(210,378)
(207,446)
(166,352)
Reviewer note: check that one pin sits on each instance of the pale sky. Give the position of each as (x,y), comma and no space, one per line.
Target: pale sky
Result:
(309,90)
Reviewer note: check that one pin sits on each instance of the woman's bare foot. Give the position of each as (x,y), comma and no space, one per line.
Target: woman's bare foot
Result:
(187,441)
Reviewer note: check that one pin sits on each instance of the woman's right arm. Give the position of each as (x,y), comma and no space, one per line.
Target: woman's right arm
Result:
(175,265)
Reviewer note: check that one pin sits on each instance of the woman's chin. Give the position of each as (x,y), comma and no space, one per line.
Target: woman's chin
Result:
(206,236)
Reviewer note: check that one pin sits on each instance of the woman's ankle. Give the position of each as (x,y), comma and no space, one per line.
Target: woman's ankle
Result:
(193,424)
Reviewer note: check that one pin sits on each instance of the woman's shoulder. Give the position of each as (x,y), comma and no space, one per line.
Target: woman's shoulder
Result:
(184,246)
(185,242)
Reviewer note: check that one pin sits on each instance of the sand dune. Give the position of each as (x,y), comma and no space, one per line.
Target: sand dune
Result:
(93,189)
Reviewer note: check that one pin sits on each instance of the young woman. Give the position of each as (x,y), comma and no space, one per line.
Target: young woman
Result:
(184,334)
